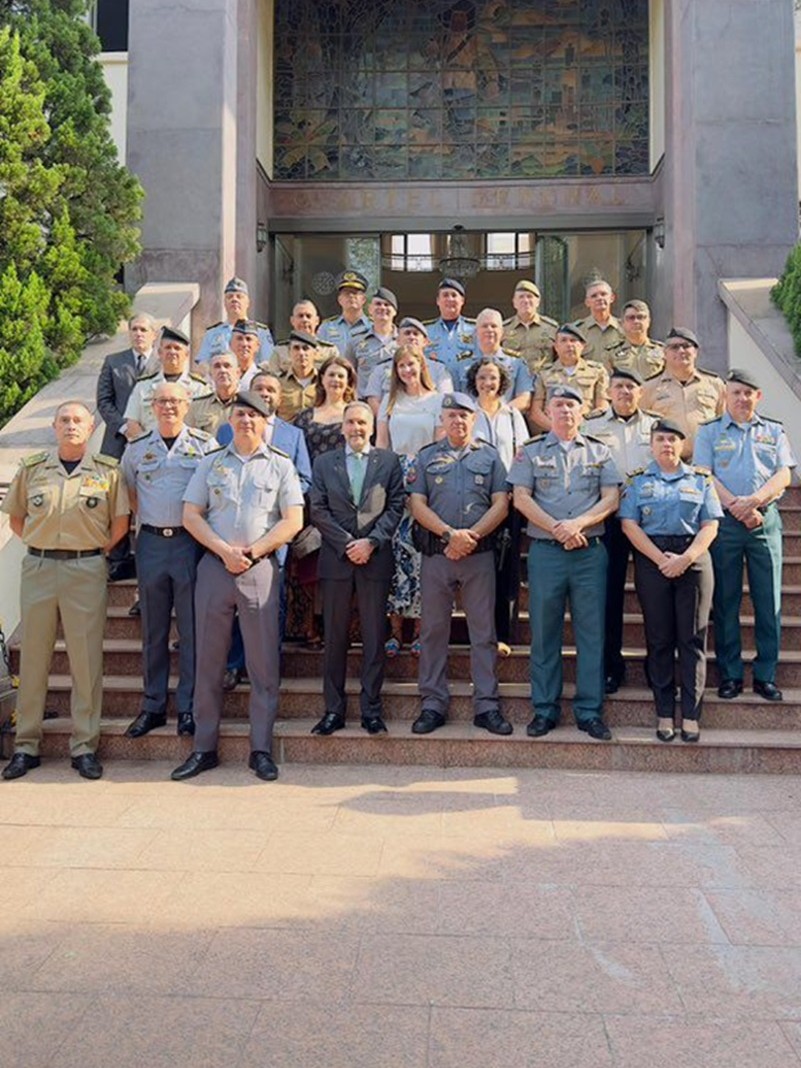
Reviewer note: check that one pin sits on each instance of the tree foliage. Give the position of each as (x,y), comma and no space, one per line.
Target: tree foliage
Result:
(69,211)
(786,295)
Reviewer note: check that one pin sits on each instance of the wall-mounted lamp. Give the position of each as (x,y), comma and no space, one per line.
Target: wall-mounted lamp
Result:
(262,235)
(659,232)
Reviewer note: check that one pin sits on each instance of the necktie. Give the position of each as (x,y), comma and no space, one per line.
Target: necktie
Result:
(140,366)
(357,476)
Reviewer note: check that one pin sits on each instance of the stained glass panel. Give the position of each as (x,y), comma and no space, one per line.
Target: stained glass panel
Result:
(382,89)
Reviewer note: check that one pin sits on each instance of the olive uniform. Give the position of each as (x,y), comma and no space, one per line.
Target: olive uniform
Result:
(646,360)
(68,518)
(532,342)
(210,413)
(688,404)
(280,361)
(296,395)
(589,377)
(600,339)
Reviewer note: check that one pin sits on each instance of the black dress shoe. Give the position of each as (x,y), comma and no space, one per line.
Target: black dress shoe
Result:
(88,766)
(146,722)
(690,736)
(730,688)
(493,721)
(330,722)
(264,766)
(596,728)
(539,726)
(613,682)
(196,763)
(135,609)
(428,720)
(768,690)
(374,725)
(231,679)
(19,765)
(186,725)
(666,736)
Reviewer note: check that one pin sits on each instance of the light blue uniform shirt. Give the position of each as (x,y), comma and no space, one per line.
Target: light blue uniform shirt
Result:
(217,339)
(159,476)
(366,352)
(448,343)
(670,504)
(743,456)
(338,331)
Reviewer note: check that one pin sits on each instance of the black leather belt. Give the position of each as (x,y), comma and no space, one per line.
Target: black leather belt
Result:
(64,554)
(552,541)
(672,543)
(163,532)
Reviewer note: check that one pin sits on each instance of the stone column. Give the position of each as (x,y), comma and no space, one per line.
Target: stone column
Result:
(730,182)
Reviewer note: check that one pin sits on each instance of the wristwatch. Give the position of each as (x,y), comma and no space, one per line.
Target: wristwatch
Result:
(446,536)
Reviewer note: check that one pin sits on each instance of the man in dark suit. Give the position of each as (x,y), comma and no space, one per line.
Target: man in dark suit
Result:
(357,500)
(117,378)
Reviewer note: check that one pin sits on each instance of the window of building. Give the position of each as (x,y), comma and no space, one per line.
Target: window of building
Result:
(459,89)
(110,22)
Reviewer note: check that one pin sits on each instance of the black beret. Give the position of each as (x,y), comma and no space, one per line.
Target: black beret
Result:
(667,426)
(170,333)
(683,335)
(625,372)
(304,338)
(572,329)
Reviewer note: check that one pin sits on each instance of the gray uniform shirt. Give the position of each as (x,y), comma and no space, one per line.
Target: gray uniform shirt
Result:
(458,488)
(160,475)
(629,440)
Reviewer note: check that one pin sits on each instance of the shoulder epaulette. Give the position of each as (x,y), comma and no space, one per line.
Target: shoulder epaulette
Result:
(279,452)
(650,411)
(262,326)
(656,374)
(706,371)
(536,437)
(214,325)
(705,471)
(140,437)
(330,318)
(653,341)
(211,452)
(467,319)
(514,353)
(109,461)
(198,433)
(548,320)
(633,474)
(34,459)
(197,377)
(770,419)
(147,378)
(431,445)
(714,419)
(507,322)
(596,413)
(430,322)
(591,437)
(619,344)
(594,363)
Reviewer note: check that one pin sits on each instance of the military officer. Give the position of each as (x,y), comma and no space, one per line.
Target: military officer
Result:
(637,352)
(213,411)
(236,298)
(69,508)
(246,346)
(352,323)
(489,331)
(299,383)
(173,353)
(751,460)
(626,430)
(242,504)
(378,343)
(566,484)
(157,468)
(684,393)
(305,318)
(569,368)
(452,335)
(458,497)
(670,514)
(528,334)
(601,329)
(412,333)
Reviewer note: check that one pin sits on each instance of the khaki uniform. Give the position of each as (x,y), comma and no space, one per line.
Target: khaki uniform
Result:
(590,377)
(647,360)
(629,440)
(140,402)
(280,362)
(533,343)
(689,404)
(67,514)
(600,339)
(209,413)
(295,396)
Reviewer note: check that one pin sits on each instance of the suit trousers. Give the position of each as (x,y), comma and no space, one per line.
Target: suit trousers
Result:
(762,550)
(441,578)
(254,595)
(676,616)
(76,591)
(371,598)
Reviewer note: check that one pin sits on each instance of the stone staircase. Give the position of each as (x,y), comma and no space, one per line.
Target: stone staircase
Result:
(744,735)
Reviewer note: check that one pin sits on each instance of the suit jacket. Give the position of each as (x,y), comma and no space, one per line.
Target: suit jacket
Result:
(340,520)
(115,382)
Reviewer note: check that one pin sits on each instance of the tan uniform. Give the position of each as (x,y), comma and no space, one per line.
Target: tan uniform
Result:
(647,360)
(629,440)
(533,342)
(209,413)
(295,396)
(600,339)
(65,514)
(590,377)
(689,404)
(280,362)
(140,403)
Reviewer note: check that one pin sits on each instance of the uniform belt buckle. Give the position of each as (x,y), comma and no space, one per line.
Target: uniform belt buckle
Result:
(167,532)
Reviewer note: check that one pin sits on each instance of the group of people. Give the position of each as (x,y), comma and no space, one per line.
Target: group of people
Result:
(394,467)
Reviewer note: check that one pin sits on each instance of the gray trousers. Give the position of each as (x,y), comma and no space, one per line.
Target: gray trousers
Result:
(254,595)
(474,577)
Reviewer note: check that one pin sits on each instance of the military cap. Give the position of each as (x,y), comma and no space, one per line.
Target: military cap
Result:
(526,286)
(625,372)
(570,328)
(667,426)
(237,285)
(682,335)
(170,333)
(458,401)
(246,326)
(382,293)
(745,378)
(565,391)
(249,398)
(410,321)
(304,338)
(452,283)
(352,280)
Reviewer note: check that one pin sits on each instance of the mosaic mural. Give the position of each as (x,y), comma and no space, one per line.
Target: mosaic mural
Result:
(460,89)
